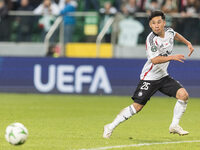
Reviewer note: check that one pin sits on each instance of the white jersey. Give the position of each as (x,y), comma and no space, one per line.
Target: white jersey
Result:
(157,46)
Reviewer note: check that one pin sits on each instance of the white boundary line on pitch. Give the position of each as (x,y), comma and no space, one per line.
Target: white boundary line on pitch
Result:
(141,144)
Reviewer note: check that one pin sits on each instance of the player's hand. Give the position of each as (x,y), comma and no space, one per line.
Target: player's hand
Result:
(179,57)
(191,49)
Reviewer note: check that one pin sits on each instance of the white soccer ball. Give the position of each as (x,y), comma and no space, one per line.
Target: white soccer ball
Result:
(16,134)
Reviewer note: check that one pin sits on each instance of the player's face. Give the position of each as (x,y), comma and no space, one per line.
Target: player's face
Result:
(157,25)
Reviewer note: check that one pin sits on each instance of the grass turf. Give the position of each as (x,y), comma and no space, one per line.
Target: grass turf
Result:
(62,122)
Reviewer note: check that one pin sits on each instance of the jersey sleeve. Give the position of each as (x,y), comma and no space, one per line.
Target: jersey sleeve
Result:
(171,31)
(152,48)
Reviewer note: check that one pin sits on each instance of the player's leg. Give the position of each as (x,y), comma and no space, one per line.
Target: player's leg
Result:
(173,88)
(124,115)
(179,109)
(181,104)
(142,94)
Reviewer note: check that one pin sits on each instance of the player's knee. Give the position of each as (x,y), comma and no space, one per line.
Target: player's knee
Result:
(186,97)
(138,107)
(182,94)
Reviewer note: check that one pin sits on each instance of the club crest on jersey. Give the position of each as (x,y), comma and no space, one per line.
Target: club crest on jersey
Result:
(153,48)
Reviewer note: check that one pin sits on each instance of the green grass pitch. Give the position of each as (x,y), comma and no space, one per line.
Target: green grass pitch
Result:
(71,122)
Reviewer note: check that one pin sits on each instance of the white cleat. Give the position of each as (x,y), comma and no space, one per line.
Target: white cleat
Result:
(107,131)
(177,130)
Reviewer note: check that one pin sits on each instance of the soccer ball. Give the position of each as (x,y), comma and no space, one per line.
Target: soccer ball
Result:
(16,134)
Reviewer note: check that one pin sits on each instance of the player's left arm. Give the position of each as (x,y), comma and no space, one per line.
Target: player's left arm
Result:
(180,38)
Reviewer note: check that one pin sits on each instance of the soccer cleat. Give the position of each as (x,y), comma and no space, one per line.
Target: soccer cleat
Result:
(107,131)
(177,130)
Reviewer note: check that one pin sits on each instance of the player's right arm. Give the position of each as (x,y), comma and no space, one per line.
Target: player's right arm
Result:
(152,47)
(163,59)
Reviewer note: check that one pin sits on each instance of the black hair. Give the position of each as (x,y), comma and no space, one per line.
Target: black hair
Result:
(157,13)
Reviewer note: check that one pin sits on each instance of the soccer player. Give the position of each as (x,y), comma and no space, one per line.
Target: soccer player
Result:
(154,76)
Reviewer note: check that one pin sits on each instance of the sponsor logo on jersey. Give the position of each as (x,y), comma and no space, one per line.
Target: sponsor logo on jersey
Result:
(168,52)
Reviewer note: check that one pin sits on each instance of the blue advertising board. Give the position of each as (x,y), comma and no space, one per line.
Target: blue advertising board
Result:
(86,76)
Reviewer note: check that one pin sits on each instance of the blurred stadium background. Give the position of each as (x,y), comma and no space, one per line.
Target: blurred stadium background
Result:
(95,47)
(39,56)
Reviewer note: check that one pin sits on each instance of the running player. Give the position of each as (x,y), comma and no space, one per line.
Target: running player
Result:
(154,76)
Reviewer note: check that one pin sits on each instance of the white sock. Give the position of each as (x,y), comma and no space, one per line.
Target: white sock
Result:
(125,114)
(179,110)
